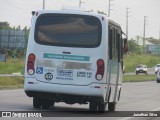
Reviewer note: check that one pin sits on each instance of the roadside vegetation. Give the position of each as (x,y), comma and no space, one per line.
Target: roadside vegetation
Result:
(12,66)
(17,82)
(17,66)
(134,57)
(131,61)
(11,82)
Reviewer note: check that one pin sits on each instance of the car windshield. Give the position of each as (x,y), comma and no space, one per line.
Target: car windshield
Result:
(158,65)
(141,66)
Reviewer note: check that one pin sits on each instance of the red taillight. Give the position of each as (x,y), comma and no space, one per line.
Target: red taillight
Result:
(102,18)
(100,69)
(30,64)
(36,13)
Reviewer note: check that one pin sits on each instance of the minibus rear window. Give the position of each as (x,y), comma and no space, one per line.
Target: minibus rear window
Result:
(68,30)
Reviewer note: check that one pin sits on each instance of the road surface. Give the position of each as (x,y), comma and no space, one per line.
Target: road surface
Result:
(136,96)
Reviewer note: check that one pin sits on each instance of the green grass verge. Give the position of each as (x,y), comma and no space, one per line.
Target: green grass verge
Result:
(131,61)
(18,82)
(11,82)
(12,66)
(138,78)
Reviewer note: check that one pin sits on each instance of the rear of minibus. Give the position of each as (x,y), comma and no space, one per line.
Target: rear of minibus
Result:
(66,54)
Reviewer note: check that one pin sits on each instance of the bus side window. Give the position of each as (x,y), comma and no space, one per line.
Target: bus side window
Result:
(114,43)
(119,46)
(110,43)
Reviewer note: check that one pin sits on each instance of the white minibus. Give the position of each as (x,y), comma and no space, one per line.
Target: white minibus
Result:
(74,56)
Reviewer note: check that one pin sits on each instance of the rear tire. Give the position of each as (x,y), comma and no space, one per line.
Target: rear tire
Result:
(102,107)
(42,103)
(46,104)
(93,106)
(36,103)
(111,106)
(158,81)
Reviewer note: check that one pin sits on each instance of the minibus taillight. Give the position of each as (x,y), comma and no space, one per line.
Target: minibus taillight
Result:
(30,64)
(100,69)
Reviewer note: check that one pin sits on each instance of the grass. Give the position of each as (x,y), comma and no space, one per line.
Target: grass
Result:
(17,65)
(138,78)
(18,82)
(12,66)
(11,82)
(131,61)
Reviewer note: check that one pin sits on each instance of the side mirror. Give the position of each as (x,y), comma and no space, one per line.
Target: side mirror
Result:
(125,47)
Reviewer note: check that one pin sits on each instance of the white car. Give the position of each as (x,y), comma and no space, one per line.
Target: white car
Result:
(157,67)
(141,69)
(158,76)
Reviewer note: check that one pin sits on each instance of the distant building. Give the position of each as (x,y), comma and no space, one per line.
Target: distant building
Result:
(153,49)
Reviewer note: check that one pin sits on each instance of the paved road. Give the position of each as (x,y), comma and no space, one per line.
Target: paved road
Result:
(140,96)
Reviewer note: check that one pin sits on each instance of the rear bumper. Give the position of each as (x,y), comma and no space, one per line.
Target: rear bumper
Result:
(33,86)
(141,71)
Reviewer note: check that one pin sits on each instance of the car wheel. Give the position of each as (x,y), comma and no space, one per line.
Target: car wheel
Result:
(158,81)
(136,73)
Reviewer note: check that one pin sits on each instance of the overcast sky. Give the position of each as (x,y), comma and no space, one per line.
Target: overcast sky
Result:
(18,12)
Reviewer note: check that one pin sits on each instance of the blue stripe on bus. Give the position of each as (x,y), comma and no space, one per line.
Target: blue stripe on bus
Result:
(66,57)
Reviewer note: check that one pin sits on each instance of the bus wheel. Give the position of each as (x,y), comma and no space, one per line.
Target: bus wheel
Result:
(102,107)
(46,104)
(111,106)
(93,106)
(36,102)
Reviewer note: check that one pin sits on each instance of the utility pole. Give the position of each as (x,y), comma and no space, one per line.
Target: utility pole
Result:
(109,7)
(159,32)
(144,33)
(80,3)
(127,12)
(43,4)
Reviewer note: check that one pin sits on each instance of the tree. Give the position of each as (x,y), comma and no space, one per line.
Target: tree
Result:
(101,12)
(4,26)
(134,48)
(153,40)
